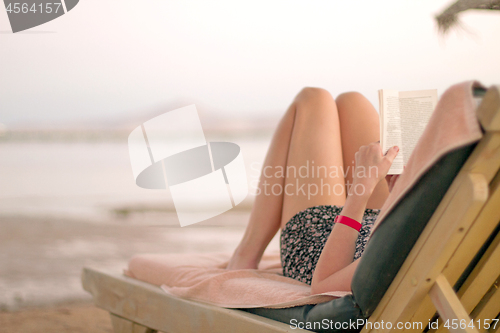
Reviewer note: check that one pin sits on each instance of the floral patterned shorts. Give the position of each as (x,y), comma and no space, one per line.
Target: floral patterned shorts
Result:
(305,235)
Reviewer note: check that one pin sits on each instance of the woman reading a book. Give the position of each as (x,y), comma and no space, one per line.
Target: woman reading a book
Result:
(322,149)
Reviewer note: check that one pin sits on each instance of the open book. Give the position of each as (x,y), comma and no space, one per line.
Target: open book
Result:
(403,117)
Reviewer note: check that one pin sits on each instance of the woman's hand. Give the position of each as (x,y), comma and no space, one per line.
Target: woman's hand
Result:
(335,268)
(372,166)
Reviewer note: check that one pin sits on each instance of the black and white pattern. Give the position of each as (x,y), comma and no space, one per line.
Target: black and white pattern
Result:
(305,235)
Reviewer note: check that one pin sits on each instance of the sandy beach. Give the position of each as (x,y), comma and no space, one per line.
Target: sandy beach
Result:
(71,317)
(41,260)
(66,205)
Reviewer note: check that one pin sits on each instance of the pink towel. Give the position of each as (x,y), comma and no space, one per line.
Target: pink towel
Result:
(202,277)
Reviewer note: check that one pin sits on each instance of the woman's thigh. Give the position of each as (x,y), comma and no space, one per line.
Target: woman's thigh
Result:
(314,162)
(359,126)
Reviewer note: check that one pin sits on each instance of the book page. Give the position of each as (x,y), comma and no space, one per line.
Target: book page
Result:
(390,126)
(416,108)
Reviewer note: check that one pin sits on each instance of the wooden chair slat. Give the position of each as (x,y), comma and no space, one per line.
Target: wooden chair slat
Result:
(435,246)
(489,307)
(449,306)
(488,111)
(477,235)
(482,277)
(150,306)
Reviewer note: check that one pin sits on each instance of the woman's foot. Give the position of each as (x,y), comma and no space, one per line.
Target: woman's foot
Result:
(242,260)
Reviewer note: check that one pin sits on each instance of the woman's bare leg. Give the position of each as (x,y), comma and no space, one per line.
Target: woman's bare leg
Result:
(359,123)
(308,131)
(265,216)
(315,146)
(316,132)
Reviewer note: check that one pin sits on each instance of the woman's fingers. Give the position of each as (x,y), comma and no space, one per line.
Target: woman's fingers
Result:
(392,153)
(370,156)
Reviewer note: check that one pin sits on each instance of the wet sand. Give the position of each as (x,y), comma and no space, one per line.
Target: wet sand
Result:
(75,318)
(41,261)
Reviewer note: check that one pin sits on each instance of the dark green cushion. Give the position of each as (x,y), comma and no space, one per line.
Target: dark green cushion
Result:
(384,253)
(391,243)
(345,309)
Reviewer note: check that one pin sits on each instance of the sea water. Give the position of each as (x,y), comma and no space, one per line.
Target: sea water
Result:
(84,180)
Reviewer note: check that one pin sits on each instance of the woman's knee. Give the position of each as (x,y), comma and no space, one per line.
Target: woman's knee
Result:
(313,94)
(352,105)
(350,98)
(314,101)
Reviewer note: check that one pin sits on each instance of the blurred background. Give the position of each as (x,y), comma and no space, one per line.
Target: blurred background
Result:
(71,90)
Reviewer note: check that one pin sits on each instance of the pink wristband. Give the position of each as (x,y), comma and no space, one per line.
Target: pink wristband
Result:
(348,222)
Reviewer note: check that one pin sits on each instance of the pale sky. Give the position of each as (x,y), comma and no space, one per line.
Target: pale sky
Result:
(115,58)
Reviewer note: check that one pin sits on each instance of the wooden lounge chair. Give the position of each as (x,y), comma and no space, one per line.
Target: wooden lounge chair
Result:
(446,271)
